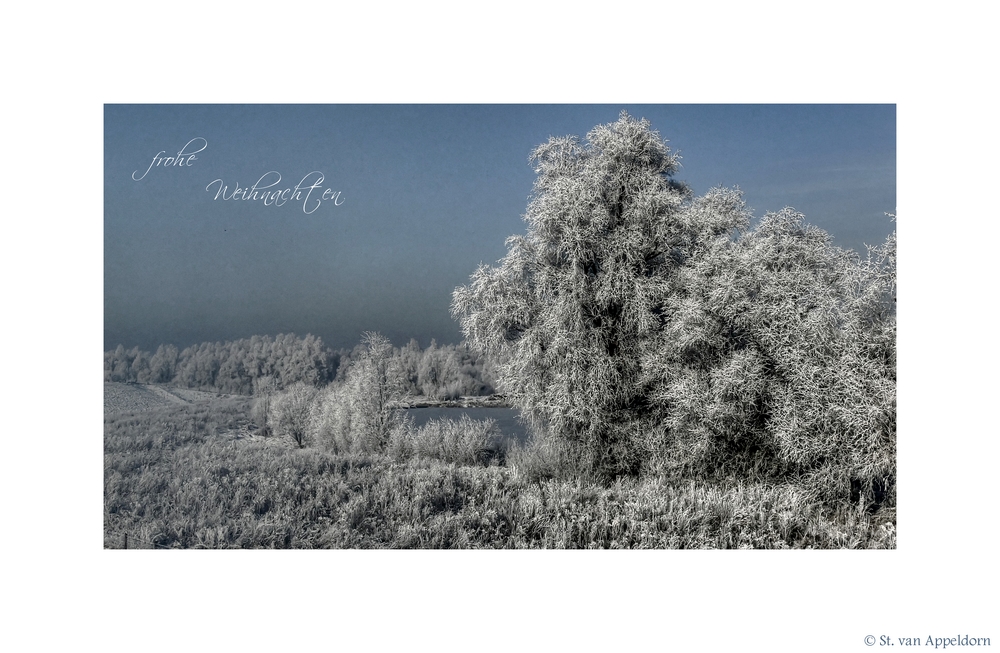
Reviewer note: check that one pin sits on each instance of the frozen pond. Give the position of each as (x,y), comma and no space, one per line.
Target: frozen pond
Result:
(506,418)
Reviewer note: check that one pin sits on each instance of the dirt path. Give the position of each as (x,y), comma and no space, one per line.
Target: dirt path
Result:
(165,394)
(126,397)
(129,397)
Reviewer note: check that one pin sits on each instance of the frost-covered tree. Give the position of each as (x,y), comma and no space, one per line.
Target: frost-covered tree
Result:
(565,314)
(163,364)
(358,413)
(264,390)
(644,328)
(375,384)
(292,410)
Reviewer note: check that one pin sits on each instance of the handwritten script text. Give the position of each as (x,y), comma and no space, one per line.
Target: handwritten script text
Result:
(184,158)
(263,190)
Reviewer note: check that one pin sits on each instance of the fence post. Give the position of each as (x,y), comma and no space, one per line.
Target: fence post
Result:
(126,540)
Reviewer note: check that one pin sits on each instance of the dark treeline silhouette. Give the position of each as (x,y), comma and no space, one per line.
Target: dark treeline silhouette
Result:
(442,372)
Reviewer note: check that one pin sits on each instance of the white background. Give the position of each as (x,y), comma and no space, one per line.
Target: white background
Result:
(64,592)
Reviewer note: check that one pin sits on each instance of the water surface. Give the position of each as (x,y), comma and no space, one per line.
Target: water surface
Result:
(507,418)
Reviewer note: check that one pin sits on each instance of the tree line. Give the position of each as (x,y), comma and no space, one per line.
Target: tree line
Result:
(439,371)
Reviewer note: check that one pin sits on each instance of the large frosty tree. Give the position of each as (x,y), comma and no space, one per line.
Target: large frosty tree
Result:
(566,312)
(642,327)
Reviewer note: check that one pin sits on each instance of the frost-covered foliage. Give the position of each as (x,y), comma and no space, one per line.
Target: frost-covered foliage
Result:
(464,441)
(356,414)
(292,412)
(779,357)
(442,371)
(566,313)
(264,389)
(649,330)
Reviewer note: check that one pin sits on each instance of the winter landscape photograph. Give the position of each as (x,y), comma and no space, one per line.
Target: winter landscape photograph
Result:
(509,326)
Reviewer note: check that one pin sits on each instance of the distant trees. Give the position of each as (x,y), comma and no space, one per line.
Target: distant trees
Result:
(163,364)
(449,372)
(127,366)
(230,367)
(440,371)
(645,328)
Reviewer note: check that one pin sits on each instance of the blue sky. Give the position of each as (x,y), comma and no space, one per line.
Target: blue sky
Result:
(427,193)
